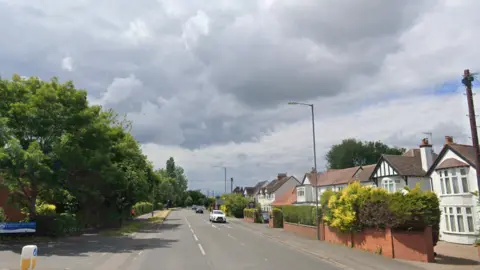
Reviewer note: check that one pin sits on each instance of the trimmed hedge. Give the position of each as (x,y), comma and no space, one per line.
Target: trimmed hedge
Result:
(301,214)
(57,225)
(141,208)
(252,213)
(277,216)
(357,207)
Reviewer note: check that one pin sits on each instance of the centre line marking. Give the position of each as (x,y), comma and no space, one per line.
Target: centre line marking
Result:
(194,236)
(232,237)
(201,249)
(192,231)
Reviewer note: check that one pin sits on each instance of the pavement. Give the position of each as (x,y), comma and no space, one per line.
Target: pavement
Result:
(189,241)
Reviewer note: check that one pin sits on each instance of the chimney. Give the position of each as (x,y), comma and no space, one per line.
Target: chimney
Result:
(426,154)
(448,140)
(281,175)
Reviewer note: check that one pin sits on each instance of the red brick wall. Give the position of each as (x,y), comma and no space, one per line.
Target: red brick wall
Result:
(375,241)
(270,223)
(334,236)
(414,246)
(303,230)
(12,213)
(248,219)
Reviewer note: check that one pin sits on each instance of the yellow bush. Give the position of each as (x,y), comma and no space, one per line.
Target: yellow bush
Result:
(46,209)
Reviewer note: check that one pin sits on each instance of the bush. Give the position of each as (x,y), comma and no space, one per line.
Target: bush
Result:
(234,204)
(141,208)
(57,225)
(45,209)
(357,207)
(304,214)
(277,216)
(252,213)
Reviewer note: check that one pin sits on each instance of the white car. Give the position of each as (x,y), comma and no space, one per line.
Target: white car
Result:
(218,216)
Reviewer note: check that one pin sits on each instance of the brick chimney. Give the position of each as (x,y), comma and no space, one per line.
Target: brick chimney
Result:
(281,175)
(449,140)
(426,154)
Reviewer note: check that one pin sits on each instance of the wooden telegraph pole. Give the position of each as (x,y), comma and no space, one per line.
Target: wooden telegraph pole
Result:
(467,81)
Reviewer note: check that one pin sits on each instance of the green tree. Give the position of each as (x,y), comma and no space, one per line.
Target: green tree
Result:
(352,152)
(188,201)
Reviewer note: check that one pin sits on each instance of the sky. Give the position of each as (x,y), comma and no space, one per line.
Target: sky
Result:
(208,81)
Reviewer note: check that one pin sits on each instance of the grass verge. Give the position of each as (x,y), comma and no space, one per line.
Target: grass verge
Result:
(136,225)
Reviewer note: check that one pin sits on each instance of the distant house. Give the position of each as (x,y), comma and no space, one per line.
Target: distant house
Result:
(335,179)
(257,188)
(238,190)
(287,198)
(275,188)
(394,172)
(454,178)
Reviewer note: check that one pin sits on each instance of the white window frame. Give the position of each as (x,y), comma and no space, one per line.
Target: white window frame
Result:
(448,177)
(301,192)
(456,217)
(388,182)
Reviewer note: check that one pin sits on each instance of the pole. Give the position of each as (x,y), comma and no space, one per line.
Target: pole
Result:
(467,81)
(315,167)
(225,169)
(231,185)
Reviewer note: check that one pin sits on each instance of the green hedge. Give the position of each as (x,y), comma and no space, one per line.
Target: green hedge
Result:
(301,214)
(57,225)
(252,213)
(357,207)
(277,216)
(141,208)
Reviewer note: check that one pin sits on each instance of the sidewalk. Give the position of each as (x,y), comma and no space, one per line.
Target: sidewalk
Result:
(349,258)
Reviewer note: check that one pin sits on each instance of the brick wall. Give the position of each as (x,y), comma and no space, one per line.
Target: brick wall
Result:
(303,230)
(248,219)
(413,246)
(270,223)
(13,214)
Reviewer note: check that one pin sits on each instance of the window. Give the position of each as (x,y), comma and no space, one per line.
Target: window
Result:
(301,192)
(454,181)
(390,185)
(459,219)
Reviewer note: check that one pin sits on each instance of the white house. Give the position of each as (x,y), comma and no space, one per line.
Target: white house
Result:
(334,180)
(394,172)
(275,188)
(454,179)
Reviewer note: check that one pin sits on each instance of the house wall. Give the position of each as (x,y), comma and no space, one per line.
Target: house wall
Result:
(399,181)
(424,183)
(455,201)
(307,197)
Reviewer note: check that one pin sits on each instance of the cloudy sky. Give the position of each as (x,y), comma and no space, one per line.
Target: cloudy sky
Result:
(208,81)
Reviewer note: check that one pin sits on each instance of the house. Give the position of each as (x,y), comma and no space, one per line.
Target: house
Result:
(394,172)
(275,188)
(335,179)
(257,188)
(248,192)
(237,190)
(454,178)
(287,198)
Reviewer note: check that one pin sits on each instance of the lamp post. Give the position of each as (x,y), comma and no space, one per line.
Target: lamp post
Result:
(314,160)
(224,175)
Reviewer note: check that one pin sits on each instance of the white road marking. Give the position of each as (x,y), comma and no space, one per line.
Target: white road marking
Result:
(194,236)
(201,249)
(214,226)
(140,253)
(228,227)
(192,231)
(189,226)
(242,244)
(103,254)
(232,237)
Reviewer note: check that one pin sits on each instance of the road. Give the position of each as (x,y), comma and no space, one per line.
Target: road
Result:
(185,241)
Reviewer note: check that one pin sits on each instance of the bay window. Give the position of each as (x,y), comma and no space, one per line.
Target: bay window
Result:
(454,181)
(458,219)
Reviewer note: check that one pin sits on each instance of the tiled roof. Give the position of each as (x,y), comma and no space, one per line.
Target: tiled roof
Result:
(250,190)
(451,163)
(286,198)
(466,151)
(277,183)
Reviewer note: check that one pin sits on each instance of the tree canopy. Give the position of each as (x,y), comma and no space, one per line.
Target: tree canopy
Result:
(352,152)
(58,149)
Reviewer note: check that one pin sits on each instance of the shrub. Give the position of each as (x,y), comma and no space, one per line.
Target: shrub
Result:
(141,208)
(277,216)
(252,213)
(302,214)
(57,225)
(235,203)
(46,209)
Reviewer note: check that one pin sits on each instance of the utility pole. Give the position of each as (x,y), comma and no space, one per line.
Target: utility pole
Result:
(231,185)
(225,170)
(467,81)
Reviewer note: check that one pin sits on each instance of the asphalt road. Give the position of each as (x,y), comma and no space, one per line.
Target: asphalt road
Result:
(185,241)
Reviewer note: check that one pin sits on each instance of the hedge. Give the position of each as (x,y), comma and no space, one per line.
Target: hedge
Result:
(302,214)
(277,216)
(252,213)
(141,208)
(357,207)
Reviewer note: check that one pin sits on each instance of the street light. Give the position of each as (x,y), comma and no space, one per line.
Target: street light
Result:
(314,160)
(225,175)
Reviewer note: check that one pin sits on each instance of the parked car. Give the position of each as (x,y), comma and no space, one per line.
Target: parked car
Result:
(199,210)
(218,216)
(265,217)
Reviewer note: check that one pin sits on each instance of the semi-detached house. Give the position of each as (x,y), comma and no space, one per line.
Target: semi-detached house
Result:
(275,188)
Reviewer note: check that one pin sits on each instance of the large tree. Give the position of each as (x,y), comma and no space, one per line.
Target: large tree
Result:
(352,152)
